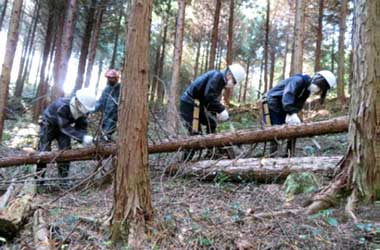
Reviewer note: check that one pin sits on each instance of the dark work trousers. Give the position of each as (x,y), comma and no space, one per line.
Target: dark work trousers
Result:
(278,118)
(48,133)
(205,119)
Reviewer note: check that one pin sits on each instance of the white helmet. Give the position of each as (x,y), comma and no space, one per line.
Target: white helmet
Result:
(238,72)
(329,77)
(87,99)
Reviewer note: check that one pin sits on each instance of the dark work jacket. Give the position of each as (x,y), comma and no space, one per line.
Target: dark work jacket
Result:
(59,116)
(289,96)
(108,103)
(207,88)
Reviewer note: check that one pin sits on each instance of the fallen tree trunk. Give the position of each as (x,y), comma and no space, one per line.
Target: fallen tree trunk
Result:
(266,169)
(14,215)
(40,231)
(337,125)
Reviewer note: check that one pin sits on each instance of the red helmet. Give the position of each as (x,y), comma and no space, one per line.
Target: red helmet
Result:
(112,73)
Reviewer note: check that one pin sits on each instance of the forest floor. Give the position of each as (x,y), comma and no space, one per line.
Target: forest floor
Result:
(193,214)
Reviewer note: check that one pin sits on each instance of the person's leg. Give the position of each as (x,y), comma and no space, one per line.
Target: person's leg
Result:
(64,142)
(186,112)
(276,118)
(46,135)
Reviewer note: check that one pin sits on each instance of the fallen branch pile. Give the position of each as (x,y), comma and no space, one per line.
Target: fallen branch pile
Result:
(266,169)
(337,125)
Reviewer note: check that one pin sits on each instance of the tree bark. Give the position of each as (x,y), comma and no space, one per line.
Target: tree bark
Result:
(116,40)
(297,55)
(99,75)
(132,195)
(254,169)
(214,35)
(10,51)
(43,84)
(94,41)
(359,171)
(66,47)
(341,53)
(318,47)
(177,59)
(285,57)
(332,58)
(3,12)
(85,45)
(338,125)
(261,79)
(266,48)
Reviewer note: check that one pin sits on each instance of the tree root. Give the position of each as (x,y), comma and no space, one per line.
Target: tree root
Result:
(328,196)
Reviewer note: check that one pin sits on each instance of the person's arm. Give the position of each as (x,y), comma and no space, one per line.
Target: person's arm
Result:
(289,96)
(77,133)
(213,93)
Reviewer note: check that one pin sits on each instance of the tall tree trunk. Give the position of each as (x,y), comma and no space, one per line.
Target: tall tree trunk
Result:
(197,58)
(359,170)
(94,41)
(3,12)
(43,79)
(297,55)
(341,64)
(261,79)
(207,55)
(229,92)
(333,50)
(246,81)
(214,35)
(177,59)
(67,44)
(116,40)
(266,48)
(10,51)
(132,192)
(318,50)
(153,87)
(85,44)
(285,57)
(60,20)
(272,65)
(160,86)
(99,75)
(27,47)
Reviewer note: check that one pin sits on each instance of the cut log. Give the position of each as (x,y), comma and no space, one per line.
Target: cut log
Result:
(337,125)
(14,215)
(40,231)
(262,170)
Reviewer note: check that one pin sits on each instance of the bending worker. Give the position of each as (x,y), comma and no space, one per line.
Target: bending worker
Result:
(288,97)
(201,100)
(109,103)
(63,120)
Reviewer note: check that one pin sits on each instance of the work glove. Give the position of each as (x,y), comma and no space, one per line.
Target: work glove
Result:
(223,116)
(88,140)
(292,119)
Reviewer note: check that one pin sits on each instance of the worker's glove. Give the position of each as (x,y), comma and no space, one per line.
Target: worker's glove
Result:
(223,116)
(292,119)
(88,140)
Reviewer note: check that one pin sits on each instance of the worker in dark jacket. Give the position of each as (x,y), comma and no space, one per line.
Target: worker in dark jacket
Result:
(63,120)
(288,97)
(200,102)
(108,103)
